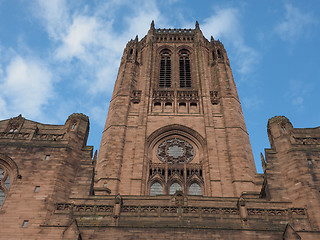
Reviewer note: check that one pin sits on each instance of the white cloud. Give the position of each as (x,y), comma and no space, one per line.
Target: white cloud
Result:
(225,24)
(27,87)
(144,13)
(54,14)
(297,92)
(80,35)
(89,37)
(295,22)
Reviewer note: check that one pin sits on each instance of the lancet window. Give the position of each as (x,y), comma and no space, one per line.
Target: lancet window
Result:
(184,68)
(195,189)
(156,189)
(4,183)
(175,187)
(165,69)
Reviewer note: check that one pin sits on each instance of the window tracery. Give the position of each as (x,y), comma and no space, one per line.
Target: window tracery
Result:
(175,168)
(175,187)
(195,189)
(184,67)
(156,189)
(165,69)
(175,150)
(4,183)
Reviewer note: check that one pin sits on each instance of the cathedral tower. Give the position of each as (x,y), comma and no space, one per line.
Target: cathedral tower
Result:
(175,160)
(175,121)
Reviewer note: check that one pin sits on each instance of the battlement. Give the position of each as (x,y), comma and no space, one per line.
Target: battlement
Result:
(177,31)
(19,130)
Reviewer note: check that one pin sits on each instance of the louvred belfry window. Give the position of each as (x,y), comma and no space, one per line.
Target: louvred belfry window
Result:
(184,66)
(165,70)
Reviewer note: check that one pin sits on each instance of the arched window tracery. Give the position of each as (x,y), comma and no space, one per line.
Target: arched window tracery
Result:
(195,189)
(175,187)
(156,189)
(176,164)
(165,69)
(4,183)
(184,69)
(175,150)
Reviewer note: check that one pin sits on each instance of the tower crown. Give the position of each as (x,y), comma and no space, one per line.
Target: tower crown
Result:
(175,34)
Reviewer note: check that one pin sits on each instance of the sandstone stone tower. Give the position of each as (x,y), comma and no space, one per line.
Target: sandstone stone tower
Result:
(175,160)
(175,121)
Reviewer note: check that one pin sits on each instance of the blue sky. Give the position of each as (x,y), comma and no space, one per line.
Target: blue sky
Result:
(58,57)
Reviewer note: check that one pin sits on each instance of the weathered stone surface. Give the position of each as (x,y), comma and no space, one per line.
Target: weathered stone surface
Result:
(164,132)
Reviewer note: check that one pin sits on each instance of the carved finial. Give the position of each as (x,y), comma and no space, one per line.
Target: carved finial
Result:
(197,25)
(152,25)
(136,39)
(118,199)
(212,39)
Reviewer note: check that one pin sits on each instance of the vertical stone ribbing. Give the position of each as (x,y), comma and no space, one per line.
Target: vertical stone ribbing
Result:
(125,153)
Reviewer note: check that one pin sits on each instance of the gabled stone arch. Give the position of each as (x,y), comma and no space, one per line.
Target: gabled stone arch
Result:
(177,129)
(164,47)
(186,47)
(194,179)
(156,179)
(173,180)
(197,180)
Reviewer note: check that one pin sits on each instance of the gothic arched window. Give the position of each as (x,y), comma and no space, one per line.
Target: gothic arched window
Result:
(165,69)
(4,183)
(195,189)
(156,189)
(184,67)
(175,187)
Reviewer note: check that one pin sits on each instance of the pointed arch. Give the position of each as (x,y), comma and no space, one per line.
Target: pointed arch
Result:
(195,189)
(195,184)
(10,164)
(154,185)
(8,174)
(174,187)
(184,69)
(165,69)
(180,153)
(156,188)
(177,129)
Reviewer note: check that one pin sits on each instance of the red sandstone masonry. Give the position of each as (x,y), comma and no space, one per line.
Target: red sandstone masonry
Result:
(78,196)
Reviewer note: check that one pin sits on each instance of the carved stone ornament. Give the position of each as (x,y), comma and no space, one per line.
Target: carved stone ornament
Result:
(15,123)
(135,96)
(214,97)
(175,150)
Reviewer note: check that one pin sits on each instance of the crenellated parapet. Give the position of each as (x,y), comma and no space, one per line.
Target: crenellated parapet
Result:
(19,130)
